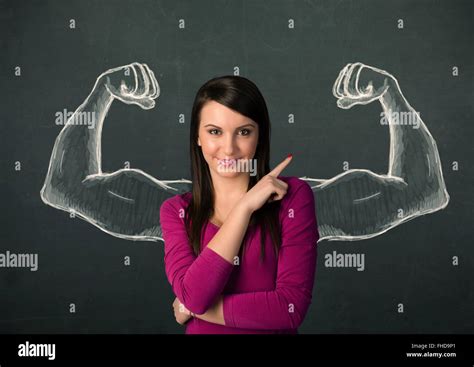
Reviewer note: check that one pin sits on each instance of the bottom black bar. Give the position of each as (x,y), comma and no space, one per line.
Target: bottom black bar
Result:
(447,349)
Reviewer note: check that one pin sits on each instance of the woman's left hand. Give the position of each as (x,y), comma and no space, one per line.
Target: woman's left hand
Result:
(181,313)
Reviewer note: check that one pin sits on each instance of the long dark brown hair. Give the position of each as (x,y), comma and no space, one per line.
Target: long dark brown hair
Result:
(243,96)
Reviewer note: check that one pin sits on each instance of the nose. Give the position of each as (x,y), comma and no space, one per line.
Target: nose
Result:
(229,145)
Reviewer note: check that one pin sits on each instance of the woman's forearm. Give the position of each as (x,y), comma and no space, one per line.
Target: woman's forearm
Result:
(214,314)
(228,239)
(199,284)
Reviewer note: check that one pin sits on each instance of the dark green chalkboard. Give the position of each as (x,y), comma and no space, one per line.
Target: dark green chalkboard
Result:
(295,68)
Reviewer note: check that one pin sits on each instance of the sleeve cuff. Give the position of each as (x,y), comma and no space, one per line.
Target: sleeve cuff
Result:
(228,311)
(216,260)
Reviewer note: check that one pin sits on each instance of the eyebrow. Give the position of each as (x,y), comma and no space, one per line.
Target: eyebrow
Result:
(236,128)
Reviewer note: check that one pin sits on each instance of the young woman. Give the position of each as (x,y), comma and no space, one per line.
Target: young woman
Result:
(240,249)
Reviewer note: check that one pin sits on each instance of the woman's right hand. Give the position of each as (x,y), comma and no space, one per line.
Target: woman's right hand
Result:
(132,84)
(268,189)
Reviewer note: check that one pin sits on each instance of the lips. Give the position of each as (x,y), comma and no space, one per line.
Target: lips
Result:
(227,161)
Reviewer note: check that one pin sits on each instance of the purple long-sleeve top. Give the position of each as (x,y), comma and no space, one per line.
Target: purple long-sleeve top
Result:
(266,297)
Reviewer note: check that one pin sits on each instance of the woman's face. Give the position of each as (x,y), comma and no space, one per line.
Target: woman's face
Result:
(225,134)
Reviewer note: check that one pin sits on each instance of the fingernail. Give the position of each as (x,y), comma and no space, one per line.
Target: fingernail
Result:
(290,155)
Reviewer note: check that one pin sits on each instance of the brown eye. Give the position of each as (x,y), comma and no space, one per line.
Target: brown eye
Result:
(247,130)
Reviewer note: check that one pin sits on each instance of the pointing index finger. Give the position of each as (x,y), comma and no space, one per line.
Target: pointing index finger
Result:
(278,169)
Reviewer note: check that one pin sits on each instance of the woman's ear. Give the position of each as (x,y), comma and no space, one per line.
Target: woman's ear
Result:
(199,142)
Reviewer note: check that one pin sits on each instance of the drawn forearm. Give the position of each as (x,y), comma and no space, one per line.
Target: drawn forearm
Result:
(414,155)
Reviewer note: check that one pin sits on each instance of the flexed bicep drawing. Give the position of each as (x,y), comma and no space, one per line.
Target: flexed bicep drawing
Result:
(353,205)
(359,204)
(125,203)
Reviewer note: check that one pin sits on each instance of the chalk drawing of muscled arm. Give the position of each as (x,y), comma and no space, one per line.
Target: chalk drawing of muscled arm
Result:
(359,204)
(125,203)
